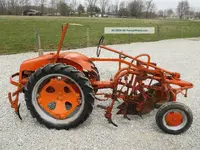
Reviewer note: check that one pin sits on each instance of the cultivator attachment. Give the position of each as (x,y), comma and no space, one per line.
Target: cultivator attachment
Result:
(15,102)
(126,109)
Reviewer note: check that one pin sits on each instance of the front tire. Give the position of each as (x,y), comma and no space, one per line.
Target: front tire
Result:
(174,118)
(59,96)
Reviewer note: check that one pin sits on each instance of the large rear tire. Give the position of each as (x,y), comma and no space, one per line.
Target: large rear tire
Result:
(97,70)
(59,96)
(98,75)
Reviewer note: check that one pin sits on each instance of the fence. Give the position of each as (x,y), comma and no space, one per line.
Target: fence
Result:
(78,37)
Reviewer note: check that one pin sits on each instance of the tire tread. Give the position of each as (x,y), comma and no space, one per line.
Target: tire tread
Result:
(69,71)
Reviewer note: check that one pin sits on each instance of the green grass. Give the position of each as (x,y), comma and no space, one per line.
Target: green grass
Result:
(17,33)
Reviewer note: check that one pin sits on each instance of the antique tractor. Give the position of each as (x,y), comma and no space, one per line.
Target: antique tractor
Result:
(60,89)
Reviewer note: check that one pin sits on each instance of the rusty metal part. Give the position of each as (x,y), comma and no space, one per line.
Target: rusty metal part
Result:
(126,109)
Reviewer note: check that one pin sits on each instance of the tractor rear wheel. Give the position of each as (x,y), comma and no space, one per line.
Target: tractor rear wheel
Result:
(98,75)
(59,96)
(174,118)
(97,70)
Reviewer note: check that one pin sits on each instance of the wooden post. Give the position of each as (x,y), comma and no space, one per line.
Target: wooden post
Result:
(158,32)
(39,41)
(40,51)
(129,38)
(36,37)
(88,37)
(181,31)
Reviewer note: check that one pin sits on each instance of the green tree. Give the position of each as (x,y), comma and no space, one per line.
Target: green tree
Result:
(183,9)
(81,9)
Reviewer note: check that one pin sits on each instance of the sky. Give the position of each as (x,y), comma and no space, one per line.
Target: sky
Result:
(165,4)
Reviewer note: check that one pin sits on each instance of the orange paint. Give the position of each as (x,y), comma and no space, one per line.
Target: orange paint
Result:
(174,118)
(59,93)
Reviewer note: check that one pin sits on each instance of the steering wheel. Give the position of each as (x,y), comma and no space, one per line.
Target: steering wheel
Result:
(98,47)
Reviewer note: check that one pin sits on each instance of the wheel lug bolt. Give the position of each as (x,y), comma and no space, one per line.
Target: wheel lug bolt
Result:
(40,101)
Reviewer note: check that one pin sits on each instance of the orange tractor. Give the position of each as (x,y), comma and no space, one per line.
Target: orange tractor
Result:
(60,89)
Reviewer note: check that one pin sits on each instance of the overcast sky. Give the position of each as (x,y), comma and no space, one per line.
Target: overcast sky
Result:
(164,4)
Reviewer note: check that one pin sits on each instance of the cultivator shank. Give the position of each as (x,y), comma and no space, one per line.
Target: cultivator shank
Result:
(15,103)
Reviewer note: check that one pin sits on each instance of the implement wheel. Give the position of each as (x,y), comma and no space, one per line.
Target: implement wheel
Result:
(174,118)
(59,96)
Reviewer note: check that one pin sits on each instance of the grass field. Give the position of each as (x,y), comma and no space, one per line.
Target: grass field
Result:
(17,33)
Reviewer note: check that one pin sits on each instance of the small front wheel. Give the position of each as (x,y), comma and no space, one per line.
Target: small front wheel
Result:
(174,118)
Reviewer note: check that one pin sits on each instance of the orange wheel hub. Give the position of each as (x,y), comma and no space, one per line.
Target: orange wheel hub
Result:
(58,98)
(174,118)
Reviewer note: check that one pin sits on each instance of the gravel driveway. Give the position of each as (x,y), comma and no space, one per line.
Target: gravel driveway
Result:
(182,55)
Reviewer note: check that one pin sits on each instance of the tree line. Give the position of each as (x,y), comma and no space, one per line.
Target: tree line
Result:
(120,8)
(183,10)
